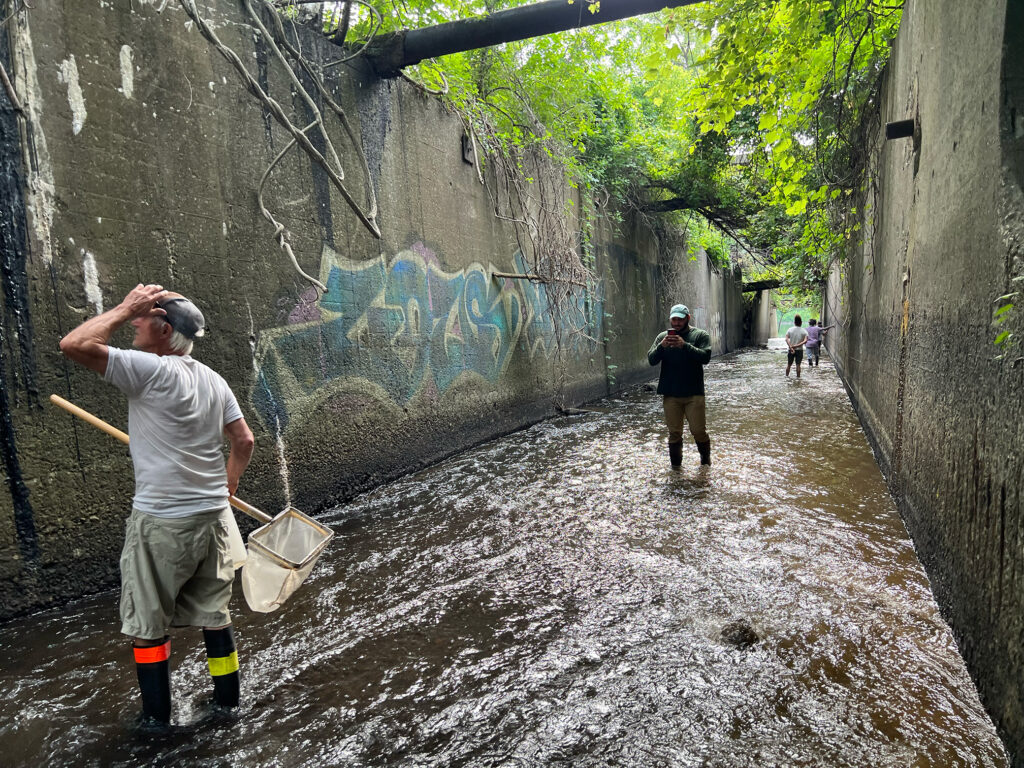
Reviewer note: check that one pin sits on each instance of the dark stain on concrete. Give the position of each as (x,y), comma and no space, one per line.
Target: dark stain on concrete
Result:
(321,181)
(374,104)
(15,313)
(263,78)
(13,239)
(24,520)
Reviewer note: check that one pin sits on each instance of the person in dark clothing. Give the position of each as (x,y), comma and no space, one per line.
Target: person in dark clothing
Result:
(683,351)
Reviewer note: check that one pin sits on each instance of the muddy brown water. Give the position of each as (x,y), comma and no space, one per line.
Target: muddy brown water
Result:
(561,597)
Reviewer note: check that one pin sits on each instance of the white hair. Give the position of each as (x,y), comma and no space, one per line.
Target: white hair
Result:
(179,343)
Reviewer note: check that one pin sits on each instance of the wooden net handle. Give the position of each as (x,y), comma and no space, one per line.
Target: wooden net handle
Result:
(99,423)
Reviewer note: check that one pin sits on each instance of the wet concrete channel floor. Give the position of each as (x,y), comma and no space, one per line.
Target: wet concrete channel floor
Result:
(560,596)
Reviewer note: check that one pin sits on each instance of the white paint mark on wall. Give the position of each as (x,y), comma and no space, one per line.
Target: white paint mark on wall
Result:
(69,75)
(282,456)
(93,294)
(127,72)
(39,192)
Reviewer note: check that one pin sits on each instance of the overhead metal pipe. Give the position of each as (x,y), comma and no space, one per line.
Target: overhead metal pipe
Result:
(392,52)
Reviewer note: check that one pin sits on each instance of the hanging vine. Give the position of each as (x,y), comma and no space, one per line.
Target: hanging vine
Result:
(5,80)
(279,45)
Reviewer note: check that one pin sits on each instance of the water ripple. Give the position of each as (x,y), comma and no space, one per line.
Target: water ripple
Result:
(562,597)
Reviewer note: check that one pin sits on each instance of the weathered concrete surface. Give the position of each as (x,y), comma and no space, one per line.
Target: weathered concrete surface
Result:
(141,162)
(713,296)
(646,277)
(759,321)
(942,241)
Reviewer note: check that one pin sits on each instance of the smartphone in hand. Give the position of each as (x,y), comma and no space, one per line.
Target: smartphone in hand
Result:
(671,331)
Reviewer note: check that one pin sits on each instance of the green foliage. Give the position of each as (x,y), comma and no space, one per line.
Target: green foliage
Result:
(701,235)
(1005,311)
(749,112)
(792,84)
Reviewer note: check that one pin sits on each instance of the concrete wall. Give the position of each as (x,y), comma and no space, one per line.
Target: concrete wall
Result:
(140,160)
(714,296)
(942,241)
(759,322)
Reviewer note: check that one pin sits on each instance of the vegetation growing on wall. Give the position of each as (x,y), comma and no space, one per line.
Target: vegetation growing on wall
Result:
(287,53)
(794,84)
(748,112)
(1007,341)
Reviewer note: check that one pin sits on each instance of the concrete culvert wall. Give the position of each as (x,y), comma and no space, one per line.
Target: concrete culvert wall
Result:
(139,160)
(916,307)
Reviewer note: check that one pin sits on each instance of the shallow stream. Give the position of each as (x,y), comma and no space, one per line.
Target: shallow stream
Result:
(560,596)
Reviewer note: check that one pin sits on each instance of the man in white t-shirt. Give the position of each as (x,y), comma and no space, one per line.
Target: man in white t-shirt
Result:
(796,337)
(176,565)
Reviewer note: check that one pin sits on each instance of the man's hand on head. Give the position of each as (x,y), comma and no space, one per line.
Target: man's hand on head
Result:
(141,301)
(87,343)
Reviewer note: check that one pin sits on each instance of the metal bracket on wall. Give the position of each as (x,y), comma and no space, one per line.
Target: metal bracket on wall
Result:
(899,129)
(535,278)
(518,276)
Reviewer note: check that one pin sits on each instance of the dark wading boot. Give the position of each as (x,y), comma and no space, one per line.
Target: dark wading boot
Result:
(153,666)
(675,453)
(705,452)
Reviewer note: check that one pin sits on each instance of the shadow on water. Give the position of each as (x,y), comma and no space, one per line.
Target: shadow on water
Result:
(562,597)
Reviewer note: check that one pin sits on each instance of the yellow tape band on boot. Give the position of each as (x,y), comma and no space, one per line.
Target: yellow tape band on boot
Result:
(224,665)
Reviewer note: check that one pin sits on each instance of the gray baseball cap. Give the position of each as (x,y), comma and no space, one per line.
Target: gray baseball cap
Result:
(182,315)
(680,311)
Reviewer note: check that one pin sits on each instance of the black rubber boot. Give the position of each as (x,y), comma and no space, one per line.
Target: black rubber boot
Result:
(705,452)
(223,661)
(675,453)
(153,666)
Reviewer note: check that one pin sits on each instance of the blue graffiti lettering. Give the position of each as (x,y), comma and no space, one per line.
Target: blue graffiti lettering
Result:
(403,325)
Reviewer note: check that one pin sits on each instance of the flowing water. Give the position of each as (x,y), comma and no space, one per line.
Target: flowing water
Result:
(562,597)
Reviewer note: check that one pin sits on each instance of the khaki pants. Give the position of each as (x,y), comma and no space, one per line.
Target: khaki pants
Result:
(175,572)
(690,410)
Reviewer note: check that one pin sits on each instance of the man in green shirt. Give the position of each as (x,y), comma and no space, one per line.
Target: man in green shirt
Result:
(683,351)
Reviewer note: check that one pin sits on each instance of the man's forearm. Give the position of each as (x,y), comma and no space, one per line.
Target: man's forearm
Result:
(702,353)
(242,443)
(98,329)
(87,344)
(238,460)
(654,354)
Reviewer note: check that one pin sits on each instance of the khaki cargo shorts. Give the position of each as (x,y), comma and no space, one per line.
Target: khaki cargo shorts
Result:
(175,572)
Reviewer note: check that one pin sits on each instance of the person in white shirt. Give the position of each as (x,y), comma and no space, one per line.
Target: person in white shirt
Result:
(176,565)
(796,337)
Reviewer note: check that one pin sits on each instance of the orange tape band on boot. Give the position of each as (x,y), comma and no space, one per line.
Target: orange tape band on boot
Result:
(153,654)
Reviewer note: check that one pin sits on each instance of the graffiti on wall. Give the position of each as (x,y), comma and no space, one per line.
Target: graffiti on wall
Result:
(408,327)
